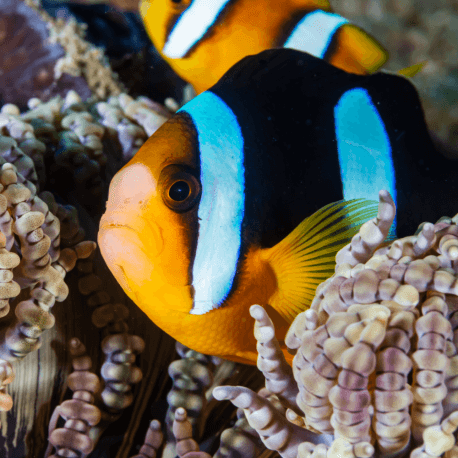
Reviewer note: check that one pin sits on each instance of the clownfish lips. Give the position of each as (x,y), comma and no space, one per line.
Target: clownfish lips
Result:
(127,254)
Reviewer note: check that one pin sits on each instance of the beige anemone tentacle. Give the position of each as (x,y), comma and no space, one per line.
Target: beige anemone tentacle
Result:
(271,361)
(275,431)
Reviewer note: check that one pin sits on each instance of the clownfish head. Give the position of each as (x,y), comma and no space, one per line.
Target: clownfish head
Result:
(147,234)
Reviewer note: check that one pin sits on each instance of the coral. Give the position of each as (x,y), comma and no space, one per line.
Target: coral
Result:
(386,314)
(83,59)
(27,58)
(76,56)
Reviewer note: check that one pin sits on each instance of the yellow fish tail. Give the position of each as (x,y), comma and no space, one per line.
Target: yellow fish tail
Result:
(357,52)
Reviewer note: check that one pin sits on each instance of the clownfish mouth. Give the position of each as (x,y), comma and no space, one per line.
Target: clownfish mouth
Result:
(115,241)
(151,243)
(127,255)
(114,220)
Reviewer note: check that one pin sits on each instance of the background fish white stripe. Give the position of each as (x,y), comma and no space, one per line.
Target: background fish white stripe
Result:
(364,148)
(314,32)
(222,203)
(192,26)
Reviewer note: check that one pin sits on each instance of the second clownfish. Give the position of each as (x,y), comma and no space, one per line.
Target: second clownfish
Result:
(202,39)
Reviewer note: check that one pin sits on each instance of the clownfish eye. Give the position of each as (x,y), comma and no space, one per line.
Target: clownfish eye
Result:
(179,187)
(176,1)
(179,191)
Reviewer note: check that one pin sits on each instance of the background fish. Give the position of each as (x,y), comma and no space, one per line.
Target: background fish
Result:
(202,39)
(208,217)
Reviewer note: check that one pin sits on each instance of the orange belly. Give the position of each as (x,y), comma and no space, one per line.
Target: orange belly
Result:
(227,332)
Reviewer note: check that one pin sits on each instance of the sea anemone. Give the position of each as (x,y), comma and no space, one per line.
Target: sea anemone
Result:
(374,372)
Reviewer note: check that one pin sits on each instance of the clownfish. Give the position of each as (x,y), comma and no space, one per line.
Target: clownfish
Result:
(202,39)
(246,194)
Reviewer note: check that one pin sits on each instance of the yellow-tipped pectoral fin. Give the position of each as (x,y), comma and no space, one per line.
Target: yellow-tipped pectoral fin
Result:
(355,51)
(412,70)
(306,257)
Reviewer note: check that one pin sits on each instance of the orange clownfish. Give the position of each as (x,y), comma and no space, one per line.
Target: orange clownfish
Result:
(228,203)
(202,39)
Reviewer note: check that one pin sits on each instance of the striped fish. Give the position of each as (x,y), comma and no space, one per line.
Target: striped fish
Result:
(247,193)
(202,39)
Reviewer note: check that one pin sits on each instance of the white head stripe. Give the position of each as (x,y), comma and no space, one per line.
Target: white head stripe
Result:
(222,203)
(314,32)
(192,26)
(364,149)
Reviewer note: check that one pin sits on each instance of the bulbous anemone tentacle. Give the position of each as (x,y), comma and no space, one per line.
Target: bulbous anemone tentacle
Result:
(186,447)
(271,361)
(371,234)
(276,432)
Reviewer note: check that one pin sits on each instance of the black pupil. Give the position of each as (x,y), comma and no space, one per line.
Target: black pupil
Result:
(179,191)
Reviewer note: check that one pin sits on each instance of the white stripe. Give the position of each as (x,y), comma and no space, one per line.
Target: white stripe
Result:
(364,149)
(192,25)
(314,32)
(222,203)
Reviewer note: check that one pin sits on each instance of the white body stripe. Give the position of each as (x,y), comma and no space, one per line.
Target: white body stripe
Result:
(192,26)
(314,32)
(222,203)
(364,148)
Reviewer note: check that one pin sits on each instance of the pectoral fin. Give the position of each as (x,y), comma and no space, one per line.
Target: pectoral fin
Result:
(306,257)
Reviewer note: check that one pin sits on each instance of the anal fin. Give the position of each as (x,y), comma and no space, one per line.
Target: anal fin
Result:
(306,257)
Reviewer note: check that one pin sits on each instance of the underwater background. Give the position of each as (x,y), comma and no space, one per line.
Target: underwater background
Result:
(104,55)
